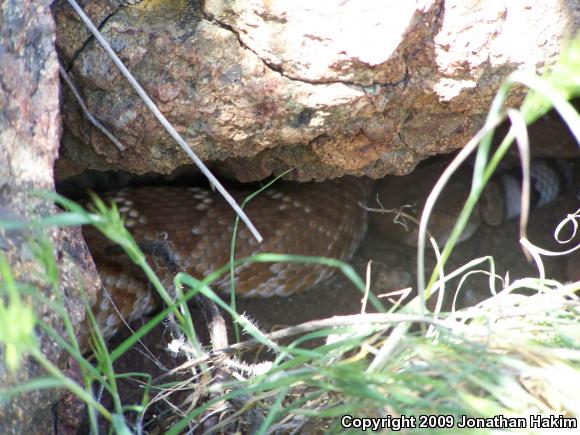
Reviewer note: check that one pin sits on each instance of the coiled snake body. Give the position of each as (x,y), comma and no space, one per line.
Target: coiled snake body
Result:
(315,219)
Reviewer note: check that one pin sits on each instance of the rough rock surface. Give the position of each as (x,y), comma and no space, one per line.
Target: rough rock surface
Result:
(29,140)
(261,86)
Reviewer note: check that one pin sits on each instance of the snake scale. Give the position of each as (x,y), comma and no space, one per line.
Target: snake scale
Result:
(315,219)
(322,219)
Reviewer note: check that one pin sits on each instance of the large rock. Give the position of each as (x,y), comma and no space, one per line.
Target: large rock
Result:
(29,140)
(360,87)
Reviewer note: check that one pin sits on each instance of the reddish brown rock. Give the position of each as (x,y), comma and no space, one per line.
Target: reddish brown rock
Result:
(260,87)
(29,140)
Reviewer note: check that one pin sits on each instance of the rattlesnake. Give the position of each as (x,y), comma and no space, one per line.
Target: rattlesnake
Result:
(499,202)
(316,219)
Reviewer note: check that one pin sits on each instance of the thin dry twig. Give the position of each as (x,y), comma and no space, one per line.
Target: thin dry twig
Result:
(367,288)
(399,213)
(163,120)
(86,110)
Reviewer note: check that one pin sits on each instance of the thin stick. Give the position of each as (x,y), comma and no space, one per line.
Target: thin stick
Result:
(163,120)
(87,112)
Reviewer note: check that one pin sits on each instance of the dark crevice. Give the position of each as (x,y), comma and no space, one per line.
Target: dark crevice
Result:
(403,140)
(91,37)
(405,79)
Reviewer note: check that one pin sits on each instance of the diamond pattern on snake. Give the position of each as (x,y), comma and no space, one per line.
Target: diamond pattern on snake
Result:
(315,219)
